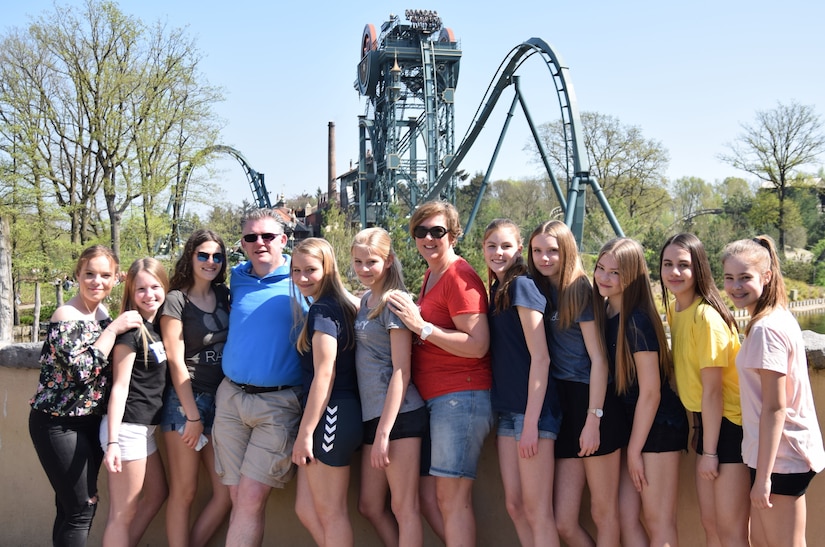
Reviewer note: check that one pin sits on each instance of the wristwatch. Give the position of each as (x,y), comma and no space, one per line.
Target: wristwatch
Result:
(597,412)
(426,331)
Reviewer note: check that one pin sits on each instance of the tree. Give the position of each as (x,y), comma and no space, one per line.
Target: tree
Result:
(92,102)
(339,231)
(6,284)
(692,198)
(629,167)
(775,146)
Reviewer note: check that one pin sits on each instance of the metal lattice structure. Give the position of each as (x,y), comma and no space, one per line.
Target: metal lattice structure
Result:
(408,74)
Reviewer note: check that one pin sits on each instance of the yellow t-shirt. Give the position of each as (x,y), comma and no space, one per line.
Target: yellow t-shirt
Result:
(700,338)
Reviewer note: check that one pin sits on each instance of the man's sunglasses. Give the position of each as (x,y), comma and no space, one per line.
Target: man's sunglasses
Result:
(436,231)
(217,258)
(267,237)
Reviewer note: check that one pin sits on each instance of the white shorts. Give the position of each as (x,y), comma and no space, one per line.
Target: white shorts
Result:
(137,442)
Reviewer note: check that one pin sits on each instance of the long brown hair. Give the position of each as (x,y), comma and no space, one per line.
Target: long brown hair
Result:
(331,285)
(760,252)
(636,294)
(184,276)
(502,297)
(703,285)
(575,292)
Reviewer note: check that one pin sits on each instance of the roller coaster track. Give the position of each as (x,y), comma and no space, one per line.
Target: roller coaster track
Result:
(573,205)
(177,199)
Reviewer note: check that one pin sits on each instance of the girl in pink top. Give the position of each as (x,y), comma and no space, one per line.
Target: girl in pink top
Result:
(782,444)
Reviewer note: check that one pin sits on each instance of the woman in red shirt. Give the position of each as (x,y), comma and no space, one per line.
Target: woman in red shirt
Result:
(450,367)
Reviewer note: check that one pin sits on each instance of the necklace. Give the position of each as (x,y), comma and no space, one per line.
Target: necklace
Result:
(85,305)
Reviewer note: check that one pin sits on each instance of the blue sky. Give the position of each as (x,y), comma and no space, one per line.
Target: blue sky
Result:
(687,73)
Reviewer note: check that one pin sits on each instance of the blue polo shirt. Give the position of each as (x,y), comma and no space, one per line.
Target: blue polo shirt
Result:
(260,349)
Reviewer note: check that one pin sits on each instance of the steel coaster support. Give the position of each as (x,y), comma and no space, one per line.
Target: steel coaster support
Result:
(430,107)
(362,169)
(539,144)
(577,183)
(486,180)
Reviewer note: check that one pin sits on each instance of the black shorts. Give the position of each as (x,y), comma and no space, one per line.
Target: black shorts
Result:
(574,398)
(408,424)
(667,438)
(339,433)
(788,484)
(729,445)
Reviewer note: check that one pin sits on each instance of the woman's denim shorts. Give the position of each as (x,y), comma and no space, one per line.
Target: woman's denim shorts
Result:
(174,416)
(459,423)
(511,424)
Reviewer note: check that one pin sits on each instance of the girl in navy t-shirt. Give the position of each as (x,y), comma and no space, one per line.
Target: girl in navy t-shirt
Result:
(523,395)
(639,360)
(593,428)
(331,428)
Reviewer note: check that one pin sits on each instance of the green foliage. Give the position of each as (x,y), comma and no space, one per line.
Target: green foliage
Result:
(764,212)
(131,101)
(774,147)
(800,270)
(339,231)
(629,167)
(412,265)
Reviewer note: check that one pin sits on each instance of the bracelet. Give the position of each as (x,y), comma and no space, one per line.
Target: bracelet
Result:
(112,442)
(196,420)
(709,455)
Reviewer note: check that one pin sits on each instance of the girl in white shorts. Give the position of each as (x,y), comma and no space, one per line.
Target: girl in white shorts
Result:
(127,432)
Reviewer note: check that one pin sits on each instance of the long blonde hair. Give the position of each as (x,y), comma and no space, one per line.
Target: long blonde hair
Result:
(331,285)
(154,268)
(378,242)
(636,294)
(760,252)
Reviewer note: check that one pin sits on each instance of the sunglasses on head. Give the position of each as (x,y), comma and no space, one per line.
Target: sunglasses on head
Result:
(437,232)
(267,237)
(217,258)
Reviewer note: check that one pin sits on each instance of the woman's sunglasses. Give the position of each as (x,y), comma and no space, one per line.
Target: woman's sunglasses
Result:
(436,231)
(217,258)
(267,237)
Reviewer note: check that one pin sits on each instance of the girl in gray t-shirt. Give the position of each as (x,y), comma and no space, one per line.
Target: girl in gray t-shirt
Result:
(395,418)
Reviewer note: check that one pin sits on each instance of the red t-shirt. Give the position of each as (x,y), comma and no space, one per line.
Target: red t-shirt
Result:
(435,371)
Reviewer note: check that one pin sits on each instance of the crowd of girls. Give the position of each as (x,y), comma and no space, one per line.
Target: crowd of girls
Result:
(577,377)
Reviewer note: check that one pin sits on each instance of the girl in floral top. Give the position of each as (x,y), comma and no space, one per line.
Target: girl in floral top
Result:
(71,396)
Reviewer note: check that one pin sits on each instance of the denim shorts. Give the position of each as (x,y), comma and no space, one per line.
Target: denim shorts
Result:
(174,416)
(459,423)
(511,424)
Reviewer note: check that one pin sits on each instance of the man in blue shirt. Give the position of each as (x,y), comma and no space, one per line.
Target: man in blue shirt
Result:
(258,408)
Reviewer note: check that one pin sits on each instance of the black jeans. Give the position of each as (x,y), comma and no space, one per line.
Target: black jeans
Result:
(70,453)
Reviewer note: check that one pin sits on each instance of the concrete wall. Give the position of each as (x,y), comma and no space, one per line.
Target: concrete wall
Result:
(27,503)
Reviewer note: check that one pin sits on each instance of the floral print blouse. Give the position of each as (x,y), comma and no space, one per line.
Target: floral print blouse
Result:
(74,375)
